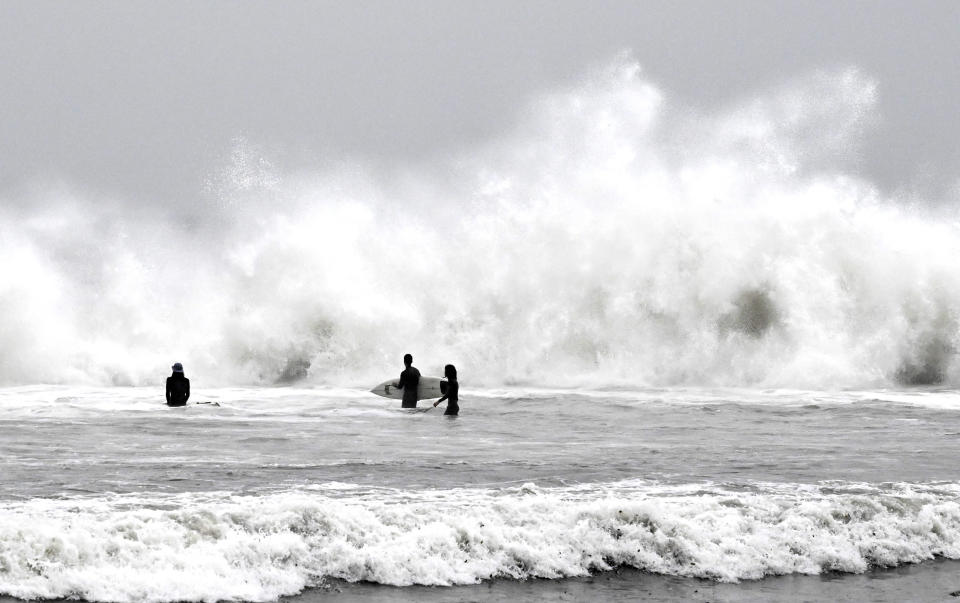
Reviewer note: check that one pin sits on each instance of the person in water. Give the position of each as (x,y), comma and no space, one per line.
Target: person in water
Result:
(409,382)
(178,387)
(453,391)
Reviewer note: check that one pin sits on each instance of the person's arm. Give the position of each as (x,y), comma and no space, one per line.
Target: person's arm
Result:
(452,388)
(187,396)
(169,392)
(398,385)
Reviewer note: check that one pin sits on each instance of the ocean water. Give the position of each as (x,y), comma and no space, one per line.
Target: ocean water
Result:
(694,344)
(613,237)
(108,495)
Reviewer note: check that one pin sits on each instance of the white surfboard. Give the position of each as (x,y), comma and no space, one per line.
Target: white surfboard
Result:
(430,388)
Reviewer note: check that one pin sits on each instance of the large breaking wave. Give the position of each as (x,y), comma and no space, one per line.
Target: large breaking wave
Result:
(612,237)
(208,547)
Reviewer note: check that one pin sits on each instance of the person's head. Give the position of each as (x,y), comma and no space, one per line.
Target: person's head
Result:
(177,368)
(407,359)
(450,372)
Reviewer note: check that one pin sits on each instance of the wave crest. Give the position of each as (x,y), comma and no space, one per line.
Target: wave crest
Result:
(612,237)
(210,546)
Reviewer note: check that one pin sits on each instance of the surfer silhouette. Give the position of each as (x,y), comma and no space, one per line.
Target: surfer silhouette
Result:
(409,382)
(453,391)
(178,387)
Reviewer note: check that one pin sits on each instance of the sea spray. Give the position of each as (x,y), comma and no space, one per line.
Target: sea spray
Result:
(611,238)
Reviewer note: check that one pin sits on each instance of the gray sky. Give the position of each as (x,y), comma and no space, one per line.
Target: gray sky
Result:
(141,99)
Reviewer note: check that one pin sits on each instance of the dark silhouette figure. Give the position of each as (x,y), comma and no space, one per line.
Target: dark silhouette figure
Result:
(410,382)
(452,395)
(178,387)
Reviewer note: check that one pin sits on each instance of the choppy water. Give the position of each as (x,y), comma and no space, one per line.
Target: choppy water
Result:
(107,494)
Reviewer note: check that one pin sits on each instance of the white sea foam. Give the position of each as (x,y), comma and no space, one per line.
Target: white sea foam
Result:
(611,238)
(194,547)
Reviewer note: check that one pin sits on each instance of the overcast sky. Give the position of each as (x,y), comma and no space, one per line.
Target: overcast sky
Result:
(141,99)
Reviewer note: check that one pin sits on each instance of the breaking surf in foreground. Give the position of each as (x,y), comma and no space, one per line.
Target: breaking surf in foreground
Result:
(110,496)
(210,546)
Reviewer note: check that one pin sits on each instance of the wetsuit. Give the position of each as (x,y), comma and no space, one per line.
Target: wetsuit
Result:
(453,397)
(178,390)
(410,382)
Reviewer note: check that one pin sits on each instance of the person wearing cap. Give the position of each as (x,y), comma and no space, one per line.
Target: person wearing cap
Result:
(178,387)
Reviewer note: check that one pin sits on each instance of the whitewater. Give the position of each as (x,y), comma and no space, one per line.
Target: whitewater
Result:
(110,496)
(611,237)
(692,345)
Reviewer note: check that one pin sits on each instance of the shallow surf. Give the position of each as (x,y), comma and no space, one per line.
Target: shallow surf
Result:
(107,495)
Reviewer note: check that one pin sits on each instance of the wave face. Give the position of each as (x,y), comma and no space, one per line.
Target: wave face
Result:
(611,237)
(209,547)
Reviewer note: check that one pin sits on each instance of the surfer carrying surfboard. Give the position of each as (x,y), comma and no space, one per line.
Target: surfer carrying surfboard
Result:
(409,382)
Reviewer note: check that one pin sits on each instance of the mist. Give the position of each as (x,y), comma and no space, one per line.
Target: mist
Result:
(614,235)
(141,101)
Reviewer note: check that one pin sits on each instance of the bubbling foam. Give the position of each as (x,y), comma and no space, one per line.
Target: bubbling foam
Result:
(611,238)
(194,547)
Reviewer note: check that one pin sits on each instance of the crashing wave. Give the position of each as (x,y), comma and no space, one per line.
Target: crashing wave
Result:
(206,547)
